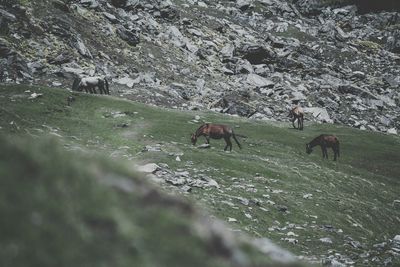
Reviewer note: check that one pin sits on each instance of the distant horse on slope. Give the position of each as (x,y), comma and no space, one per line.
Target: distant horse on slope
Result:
(325,141)
(89,84)
(216,131)
(297,113)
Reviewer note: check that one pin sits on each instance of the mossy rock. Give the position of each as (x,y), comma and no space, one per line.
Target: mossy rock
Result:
(368,45)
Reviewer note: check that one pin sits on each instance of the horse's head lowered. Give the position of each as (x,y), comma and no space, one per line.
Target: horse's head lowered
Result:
(308,148)
(75,85)
(194,139)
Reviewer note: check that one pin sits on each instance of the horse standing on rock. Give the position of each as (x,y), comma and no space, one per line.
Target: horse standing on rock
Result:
(89,84)
(297,113)
(216,131)
(325,141)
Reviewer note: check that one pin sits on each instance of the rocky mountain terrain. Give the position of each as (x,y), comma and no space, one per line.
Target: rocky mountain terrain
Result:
(252,58)
(243,63)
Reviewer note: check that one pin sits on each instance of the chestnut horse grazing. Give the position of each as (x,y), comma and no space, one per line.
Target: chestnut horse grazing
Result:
(297,113)
(216,131)
(325,141)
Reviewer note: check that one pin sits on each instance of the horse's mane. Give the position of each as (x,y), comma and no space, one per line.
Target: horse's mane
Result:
(201,128)
(317,139)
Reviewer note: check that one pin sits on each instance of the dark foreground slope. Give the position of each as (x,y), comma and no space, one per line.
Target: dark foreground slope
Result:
(63,209)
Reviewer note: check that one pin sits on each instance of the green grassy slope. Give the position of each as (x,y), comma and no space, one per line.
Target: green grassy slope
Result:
(349,201)
(59,208)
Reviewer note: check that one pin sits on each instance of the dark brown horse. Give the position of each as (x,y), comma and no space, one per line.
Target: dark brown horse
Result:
(297,113)
(325,141)
(216,131)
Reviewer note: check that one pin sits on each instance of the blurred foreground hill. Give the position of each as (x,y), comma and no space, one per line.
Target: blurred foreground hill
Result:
(60,209)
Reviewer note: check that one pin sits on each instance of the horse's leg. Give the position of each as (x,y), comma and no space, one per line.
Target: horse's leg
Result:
(237,142)
(75,85)
(106,86)
(229,143)
(334,153)
(323,149)
(301,122)
(293,120)
(338,150)
(207,139)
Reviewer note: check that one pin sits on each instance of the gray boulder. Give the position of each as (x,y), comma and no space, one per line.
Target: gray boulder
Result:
(244,66)
(309,7)
(258,81)
(244,4)
(355,90)
(393,41)
(7,15)
(81,47)
(319,114)
(257,54)
(119,3)
(129,36)
(149,168)
(227,50)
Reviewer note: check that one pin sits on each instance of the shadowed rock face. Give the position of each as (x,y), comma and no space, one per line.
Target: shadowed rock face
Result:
(366,6)
(119,3)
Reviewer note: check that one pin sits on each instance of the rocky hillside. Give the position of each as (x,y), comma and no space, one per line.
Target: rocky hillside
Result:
(253,58)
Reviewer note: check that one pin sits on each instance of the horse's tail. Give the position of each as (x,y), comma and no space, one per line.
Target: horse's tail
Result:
(107,88)
(237,142)
(75,85)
